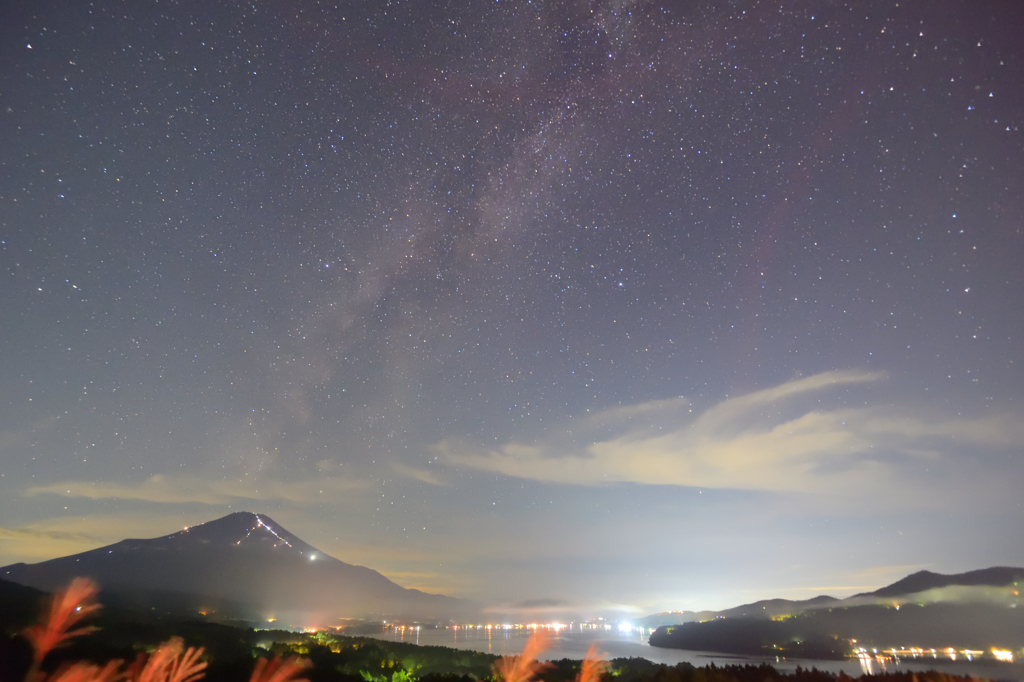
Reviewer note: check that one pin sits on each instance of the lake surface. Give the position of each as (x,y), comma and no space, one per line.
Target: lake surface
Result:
(573,641)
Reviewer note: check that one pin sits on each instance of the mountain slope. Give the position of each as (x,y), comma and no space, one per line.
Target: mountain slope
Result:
(997,576)
(902,590)
(243,565)
(977,610)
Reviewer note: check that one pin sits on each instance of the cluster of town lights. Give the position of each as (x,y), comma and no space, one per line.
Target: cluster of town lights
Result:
(866,656)
(896,653)
(588,625)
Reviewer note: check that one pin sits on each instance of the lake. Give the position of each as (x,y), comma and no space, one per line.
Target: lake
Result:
(573,641)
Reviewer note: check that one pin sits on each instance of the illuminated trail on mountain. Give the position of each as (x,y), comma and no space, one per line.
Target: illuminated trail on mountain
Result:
(259,522)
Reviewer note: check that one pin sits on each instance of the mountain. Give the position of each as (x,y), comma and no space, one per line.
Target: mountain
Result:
(19,606)
(977,610)
(773,608)
(764,609)
(922,581)
(983,585)
(242,566)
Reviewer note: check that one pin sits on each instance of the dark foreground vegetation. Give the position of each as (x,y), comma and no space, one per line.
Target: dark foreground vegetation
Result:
(76,641)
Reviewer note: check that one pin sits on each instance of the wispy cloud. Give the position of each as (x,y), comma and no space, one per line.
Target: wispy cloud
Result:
(180,489)
(763,440)
(47,538)
(64,535)
(35,533)
(422,475)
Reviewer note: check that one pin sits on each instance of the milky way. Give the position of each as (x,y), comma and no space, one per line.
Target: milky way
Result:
(613,304)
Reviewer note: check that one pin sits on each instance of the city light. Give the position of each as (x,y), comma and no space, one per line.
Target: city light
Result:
(895,654)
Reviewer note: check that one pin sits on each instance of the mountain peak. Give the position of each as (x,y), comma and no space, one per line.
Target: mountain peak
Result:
(927,580)
(245,562)
(241,529)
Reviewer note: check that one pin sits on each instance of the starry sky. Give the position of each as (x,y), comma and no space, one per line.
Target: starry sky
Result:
(602,307)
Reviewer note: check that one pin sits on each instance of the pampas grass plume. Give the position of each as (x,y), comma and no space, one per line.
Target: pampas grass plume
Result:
(524,667)
(279,670)
(66,610)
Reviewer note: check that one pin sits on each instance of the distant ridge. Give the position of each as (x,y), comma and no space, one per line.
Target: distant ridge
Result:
(978,610)
(997,576)
(913,584)
(243,565)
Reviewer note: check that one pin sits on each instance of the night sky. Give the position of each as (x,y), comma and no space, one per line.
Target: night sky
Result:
(600,307)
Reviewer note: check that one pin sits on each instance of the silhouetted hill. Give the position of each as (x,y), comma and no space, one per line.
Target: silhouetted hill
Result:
(831,632)
(242,566)
(19,605)
(771,608)
(976,610)
(997,576)
(765,609)
(907,589)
